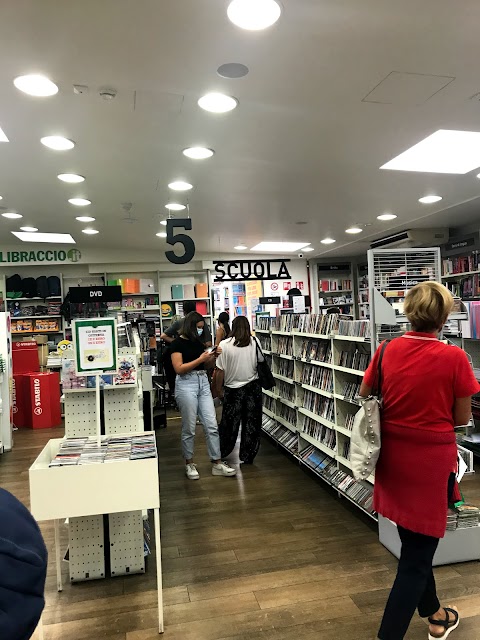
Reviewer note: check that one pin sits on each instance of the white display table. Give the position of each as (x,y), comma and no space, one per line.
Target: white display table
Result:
(58,493)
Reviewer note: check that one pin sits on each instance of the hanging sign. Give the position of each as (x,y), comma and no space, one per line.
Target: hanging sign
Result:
(180,238)
(80,295)
(461,244)
(271,300)
(251,270)
(333,267)
(95,345)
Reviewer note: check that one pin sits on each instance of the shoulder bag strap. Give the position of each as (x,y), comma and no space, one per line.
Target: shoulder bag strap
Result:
(259,349)
(378,389)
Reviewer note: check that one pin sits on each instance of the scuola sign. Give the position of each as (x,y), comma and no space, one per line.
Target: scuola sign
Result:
(42,256)
(251,270)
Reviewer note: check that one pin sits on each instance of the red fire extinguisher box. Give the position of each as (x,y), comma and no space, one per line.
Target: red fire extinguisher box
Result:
(43,400)
(25,357)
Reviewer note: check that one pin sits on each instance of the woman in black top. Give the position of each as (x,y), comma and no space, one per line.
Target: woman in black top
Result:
(193,395)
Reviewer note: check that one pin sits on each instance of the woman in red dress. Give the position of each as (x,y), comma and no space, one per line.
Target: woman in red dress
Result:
(426,388)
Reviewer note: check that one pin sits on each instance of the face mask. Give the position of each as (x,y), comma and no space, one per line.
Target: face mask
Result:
(199,331)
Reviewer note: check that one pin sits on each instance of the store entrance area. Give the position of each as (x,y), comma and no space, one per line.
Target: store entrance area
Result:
(270,554)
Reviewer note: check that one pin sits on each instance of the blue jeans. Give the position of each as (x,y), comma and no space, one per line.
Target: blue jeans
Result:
(193,396)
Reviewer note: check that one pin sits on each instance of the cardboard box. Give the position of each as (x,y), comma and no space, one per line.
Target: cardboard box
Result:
(25,357)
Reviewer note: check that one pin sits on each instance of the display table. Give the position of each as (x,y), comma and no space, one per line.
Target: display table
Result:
(64,492)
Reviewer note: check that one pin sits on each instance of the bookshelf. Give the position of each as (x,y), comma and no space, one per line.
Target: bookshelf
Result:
(310,411)
(335,287)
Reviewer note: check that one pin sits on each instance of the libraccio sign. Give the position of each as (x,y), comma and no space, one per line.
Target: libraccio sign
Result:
(40,257)
(251,270)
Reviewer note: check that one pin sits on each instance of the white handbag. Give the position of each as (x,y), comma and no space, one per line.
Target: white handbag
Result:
(365,441)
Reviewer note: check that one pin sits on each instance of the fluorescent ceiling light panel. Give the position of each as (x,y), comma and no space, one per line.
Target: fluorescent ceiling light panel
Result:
(285,247)
(445,151)
(3,137)
(217,103)
(36,85)
(198,153)
(52,238)
(254,15)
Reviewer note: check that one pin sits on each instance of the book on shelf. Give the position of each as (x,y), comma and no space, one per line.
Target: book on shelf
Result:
(461,264)
(177,292)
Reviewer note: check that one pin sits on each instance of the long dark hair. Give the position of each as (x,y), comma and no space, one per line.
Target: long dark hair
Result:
(241,332)
(224,320)
(189,329)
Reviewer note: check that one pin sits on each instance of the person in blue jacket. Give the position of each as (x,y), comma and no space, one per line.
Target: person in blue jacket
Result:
(23,569)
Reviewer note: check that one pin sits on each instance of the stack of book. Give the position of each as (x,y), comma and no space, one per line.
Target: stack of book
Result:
(468,516)
(114,448)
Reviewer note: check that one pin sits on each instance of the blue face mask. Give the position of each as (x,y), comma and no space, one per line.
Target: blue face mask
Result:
(199,331)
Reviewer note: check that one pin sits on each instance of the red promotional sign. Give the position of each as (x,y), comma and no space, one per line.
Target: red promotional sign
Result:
(287,286)
(43,400)
(299,285)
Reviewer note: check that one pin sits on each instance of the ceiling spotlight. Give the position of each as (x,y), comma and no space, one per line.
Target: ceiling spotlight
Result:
(328,241)
(1,197)
(162,234)
(29,229)
(430,199)
(36,85)
(11,215)
(217,103)
(309,249)
(174,206)
(180,185)
(385,217)
(72,178)
(163,223)
(353,230)
(241,247)
(57,143)
(90,232)
(85,219)
(198,153)
(79,202)
(254,15)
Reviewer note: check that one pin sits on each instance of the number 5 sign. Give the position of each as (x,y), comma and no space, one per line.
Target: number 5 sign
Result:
(180,238)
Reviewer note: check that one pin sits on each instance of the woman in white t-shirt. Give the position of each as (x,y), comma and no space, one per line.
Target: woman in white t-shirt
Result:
(237,381)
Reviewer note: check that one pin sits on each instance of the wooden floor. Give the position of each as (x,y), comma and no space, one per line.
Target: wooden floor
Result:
(269,555)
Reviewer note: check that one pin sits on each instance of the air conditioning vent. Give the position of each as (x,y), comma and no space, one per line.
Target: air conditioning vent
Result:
(413,238)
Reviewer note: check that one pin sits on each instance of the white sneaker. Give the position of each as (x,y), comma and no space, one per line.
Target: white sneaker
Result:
(191,472)
(222,469)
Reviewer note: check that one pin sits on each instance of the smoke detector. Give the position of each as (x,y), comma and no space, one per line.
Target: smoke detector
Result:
(108,94)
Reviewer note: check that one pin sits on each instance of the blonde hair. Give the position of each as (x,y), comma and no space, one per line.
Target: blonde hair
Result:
(427,306)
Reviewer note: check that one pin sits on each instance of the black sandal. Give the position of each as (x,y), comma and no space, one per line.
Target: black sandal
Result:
(450,625)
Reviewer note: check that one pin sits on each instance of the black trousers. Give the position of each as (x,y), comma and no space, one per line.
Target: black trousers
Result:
(243,405)
(414,586)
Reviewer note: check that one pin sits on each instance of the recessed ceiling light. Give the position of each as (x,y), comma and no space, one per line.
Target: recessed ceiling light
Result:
(241,247)
(309,249)
(90,232)
(73,178)
(430,199)
(232,70)
(328,241)
(163,223)
(85,219)
(1,197)
(3,136)
(180,185)
(162,234)
(198,153)
(174,206)
(353,230)
(385,217)
(57,143)
(52,238)
(29,229)
(79,202)
(12,215)
(254,15)
(280,246)
(36,85)
(445,151)
(217,103)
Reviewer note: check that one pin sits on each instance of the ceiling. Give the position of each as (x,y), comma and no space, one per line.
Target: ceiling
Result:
(304,145)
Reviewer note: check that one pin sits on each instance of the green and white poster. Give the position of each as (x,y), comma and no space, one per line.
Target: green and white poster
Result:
(95,344)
